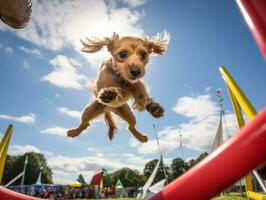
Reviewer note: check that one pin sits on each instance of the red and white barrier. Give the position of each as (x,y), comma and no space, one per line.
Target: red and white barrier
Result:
(6,194)
(254,12)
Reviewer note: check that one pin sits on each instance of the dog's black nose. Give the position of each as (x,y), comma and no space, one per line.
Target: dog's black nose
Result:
(135,71)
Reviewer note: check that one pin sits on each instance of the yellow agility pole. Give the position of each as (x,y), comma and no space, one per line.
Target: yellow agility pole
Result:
(239,95)
(256,196)
(241,123)
(3,149)
(238,98)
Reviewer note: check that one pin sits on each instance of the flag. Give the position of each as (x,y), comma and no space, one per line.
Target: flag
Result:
(219,96)
(39,181)
(104,172)
(96,179)
(101,184)
(219,135)
(119,184)
(24,170)
(26,160)
(151,179)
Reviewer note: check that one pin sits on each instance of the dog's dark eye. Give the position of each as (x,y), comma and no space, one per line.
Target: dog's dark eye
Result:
(143,56)
(122,54)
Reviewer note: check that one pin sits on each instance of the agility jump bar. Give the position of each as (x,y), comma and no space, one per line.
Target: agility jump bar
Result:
(226,165)
(6,194)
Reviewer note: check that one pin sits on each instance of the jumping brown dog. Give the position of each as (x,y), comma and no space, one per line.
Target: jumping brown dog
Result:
(119,80)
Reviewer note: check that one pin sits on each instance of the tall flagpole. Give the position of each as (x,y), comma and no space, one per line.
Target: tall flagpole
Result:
(180,149)
(158,144)
(24,170)
(220,101)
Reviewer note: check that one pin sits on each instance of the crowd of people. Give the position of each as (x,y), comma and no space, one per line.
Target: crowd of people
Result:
(60,192)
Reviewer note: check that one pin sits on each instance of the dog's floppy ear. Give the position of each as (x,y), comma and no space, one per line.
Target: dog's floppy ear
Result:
(94,45)
(158,43)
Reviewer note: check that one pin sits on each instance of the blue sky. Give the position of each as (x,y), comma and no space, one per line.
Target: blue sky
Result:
(44,75)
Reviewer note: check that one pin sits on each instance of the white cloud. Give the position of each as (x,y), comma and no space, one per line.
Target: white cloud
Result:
(9,50)
(198,131)
(31,51)
(197,108)
(69,168)
(64,74)
(92,149)
(55,131)
(135,3)
(59,24)
(71,113)
(19,150)
(26,119)
(75,62)
(81,165)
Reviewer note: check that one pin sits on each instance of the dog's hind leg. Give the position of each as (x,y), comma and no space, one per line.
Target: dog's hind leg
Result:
(89,113)
(126,114)
(111,125)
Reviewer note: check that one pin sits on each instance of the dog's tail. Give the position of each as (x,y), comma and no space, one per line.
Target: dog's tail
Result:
(111,125)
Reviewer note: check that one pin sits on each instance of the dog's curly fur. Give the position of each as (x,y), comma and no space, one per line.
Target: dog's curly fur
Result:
(119,80)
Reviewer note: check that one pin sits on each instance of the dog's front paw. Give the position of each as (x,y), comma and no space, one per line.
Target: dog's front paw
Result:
(108,95)
(155,109)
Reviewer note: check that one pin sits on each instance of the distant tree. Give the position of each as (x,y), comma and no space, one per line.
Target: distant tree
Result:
(108,180)
(149,167)
(127,176)
(193,162)
(178,167)
(15,164)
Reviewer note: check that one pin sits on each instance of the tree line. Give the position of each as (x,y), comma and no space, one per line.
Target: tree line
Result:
(129,177)
(36,162)
(133,178)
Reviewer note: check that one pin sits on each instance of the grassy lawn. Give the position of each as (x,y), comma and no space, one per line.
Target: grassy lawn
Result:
(114,199)
(229,197)
(226,197)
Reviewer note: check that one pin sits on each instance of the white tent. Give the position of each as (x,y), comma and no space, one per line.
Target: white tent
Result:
(219,140)
(157,187)
(147,187)
(219,135)
(150,180)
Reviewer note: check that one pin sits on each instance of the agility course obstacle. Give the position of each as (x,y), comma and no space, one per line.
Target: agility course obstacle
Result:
(3,149)
(6,194)
(255,17)
(228,163)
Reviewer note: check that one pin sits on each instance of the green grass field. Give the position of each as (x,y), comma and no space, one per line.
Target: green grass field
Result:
(229,197)
(226,197)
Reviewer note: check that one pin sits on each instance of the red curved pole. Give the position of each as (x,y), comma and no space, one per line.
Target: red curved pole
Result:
(254,12)
(6,194)
(226,165)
